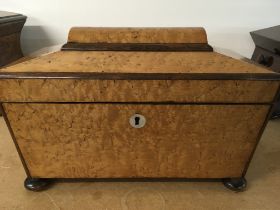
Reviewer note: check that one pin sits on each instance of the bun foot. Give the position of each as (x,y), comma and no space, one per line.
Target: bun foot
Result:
(34,184)
(235,184)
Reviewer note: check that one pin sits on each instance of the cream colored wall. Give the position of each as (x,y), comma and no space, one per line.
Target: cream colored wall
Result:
(228,22)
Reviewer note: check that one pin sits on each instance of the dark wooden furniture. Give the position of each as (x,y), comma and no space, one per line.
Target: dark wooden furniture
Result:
(129,103)
(11,25)
(10,29)
(267,53)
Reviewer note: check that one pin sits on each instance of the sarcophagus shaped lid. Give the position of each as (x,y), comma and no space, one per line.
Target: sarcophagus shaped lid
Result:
(137,53)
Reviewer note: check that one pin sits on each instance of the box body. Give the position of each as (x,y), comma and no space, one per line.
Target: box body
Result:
(91,140)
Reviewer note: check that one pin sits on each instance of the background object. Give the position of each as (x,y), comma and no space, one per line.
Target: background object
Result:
(10,29)
(267,53)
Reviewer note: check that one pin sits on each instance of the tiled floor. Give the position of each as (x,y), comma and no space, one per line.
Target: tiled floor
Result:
(263,191)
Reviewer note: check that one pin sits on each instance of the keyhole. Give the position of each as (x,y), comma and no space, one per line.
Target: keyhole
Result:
(137,120)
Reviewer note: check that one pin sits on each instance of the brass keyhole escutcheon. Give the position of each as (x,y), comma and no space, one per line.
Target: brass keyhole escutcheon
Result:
(137,121)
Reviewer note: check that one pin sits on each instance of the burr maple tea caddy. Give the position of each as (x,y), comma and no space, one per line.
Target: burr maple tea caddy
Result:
(136,103)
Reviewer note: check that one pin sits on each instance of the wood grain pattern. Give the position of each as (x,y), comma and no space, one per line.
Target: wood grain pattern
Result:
(137,35)
(96,140)
(187,91)
(136,62)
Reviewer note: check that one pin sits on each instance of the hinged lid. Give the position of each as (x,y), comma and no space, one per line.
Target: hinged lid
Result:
(137,53)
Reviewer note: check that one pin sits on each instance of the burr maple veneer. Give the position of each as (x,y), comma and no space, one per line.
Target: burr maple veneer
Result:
(136,103)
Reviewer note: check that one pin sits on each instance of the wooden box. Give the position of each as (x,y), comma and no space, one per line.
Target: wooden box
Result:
(136,103)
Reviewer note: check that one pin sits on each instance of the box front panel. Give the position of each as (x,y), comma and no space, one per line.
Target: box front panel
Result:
(87,140)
